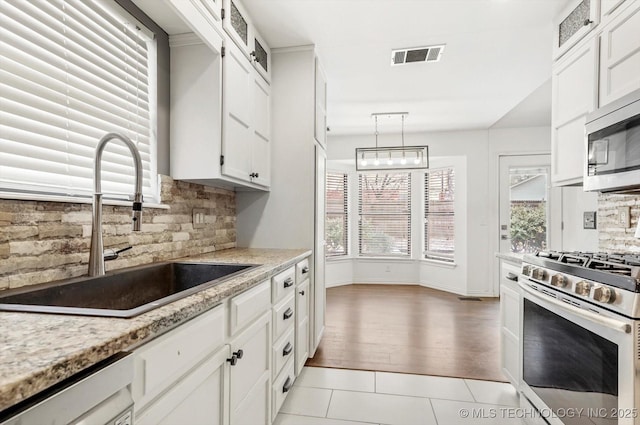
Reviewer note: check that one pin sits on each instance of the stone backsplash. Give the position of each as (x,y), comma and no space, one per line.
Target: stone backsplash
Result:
(46,241)
(612,236)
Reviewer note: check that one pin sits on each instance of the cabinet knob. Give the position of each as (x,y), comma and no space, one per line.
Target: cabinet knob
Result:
(287,314)
(287,385)
(239,354)
(233,360)
(587,22)
(301,292)
(305,270)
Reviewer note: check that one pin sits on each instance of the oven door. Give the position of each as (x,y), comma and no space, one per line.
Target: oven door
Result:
(578,366)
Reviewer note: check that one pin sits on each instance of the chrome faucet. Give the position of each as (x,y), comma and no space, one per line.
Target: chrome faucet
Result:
(96,254)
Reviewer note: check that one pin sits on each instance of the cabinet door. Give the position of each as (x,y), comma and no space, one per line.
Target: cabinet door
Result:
(250,377)
(261,55)
(320,105)
(198,399)
(620,55)
(237,114)
(577,19)
(237,24)
(261,139)
(302,325)
(510,341)
(574,95)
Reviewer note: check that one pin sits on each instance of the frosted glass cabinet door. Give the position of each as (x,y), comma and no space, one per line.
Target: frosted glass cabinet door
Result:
(237,24)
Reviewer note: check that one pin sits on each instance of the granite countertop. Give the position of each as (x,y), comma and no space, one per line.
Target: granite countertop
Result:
(514,258)
(40,350)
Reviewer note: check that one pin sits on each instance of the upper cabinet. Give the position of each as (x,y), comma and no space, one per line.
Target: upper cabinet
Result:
(203,16)
(574,95)
(620,55)
(573,23)
(320,128)
(596,64)
(237,23)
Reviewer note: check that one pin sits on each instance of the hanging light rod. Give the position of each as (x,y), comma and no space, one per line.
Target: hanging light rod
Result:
(392,157)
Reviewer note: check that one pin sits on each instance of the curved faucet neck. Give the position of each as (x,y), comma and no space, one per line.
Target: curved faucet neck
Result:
(97,165)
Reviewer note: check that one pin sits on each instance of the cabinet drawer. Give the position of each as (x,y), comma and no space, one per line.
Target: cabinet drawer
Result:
(283,350)
(164,360)
(249,305)
(284,316)
(281,387)
(302,270)
(283,284)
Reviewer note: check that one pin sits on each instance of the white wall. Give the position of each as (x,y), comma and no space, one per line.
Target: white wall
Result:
(575,202)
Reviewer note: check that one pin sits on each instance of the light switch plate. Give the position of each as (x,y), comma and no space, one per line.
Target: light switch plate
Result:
(589,221)
(624,217)
(198,217)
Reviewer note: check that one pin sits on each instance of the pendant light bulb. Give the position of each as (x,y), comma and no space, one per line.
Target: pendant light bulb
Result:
(417,160)
(376,162)
(389,161)
(364,162)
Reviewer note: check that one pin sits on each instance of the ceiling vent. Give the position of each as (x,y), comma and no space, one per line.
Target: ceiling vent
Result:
(416,54)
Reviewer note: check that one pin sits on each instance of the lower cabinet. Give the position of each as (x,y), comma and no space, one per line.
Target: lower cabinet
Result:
(197,399)
(232,365)
(250,379)
(510,322)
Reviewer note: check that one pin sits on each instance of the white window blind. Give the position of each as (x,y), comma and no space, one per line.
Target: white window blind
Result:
(72,71)
(385,214)
(439,231)
(337,220)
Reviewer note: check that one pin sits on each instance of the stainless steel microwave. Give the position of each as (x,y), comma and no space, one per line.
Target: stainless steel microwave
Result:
(613,147)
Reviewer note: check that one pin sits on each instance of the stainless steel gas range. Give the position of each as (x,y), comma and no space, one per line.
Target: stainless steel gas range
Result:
(580,335)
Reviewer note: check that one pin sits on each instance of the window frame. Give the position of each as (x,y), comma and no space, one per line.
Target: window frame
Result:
(408,215)
(345,212)
(431,255)
(158,60)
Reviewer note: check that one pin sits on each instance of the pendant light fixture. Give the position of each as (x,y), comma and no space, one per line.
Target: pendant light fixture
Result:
(392,157)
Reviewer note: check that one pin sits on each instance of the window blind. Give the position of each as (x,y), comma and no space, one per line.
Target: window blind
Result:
(385,214)
(439,231)
(73,70)
(337,220)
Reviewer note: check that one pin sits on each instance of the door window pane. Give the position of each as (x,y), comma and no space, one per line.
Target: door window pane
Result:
(528,194)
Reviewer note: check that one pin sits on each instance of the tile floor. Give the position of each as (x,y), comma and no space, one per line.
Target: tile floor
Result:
(322,396)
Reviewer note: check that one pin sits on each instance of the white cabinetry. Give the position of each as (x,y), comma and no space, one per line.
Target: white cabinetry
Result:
(203,16)
(238,24)
(320,105)
(302,324)
(575,21)
(246,116)
(620,55)
(510,322)
(574,95)
(250,380)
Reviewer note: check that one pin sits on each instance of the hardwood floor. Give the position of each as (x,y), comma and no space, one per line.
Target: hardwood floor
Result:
(410,329)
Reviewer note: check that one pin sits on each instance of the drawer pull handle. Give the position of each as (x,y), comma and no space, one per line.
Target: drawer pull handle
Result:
(512,277)
(287,385)
(233,360)
(288,282)
(239,354)
(305,270)
(301,292)
(287,349)
(287,314)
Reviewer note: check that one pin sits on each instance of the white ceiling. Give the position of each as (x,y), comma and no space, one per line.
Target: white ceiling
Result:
(497,53)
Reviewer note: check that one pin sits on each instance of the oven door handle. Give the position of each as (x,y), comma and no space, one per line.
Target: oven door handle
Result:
(604,321)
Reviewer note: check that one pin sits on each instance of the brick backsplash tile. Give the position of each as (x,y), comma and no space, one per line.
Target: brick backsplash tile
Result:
(611,236)
(46,241)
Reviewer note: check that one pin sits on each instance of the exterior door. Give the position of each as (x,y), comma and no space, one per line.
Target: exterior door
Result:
(527,206)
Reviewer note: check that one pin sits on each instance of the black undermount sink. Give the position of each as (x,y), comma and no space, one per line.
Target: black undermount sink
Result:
(122,293)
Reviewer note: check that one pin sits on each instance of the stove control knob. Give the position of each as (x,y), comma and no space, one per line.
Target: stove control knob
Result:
(539,274)
(604,294)
(526,270)
(583,288)
(559,280)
